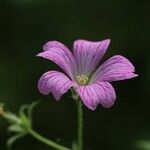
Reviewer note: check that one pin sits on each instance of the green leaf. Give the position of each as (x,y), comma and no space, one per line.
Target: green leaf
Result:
(13,139)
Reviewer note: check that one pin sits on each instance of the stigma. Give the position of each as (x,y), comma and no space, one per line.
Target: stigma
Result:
(82,79)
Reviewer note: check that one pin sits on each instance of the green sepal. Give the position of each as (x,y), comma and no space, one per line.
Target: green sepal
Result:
(74,94)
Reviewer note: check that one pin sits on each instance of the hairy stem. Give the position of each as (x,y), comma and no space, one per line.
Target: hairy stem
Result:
(47,141)
(80,125)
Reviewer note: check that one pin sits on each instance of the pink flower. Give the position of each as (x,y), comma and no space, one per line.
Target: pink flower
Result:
(93,86)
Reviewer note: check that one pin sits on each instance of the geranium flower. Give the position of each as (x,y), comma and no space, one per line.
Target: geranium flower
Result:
(93,86)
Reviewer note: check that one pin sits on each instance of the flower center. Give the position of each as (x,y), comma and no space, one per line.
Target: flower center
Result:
(82,79)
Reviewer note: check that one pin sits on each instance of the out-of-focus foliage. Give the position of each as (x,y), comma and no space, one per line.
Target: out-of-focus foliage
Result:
(144,145)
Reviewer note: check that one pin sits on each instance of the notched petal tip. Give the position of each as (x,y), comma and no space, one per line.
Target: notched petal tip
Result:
(91,107)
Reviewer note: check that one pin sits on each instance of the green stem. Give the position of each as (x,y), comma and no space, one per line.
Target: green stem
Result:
(47,141)
(80,125)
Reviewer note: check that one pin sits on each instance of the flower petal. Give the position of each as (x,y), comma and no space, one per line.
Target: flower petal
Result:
(115,68)
(88,54)
(55,82)
(97,93)
(60,54)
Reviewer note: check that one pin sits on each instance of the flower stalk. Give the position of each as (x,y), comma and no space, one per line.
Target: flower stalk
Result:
(80,125)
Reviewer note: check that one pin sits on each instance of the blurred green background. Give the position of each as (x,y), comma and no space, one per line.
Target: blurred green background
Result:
(25,25)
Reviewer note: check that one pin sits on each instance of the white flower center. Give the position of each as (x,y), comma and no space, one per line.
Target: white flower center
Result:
(82,79)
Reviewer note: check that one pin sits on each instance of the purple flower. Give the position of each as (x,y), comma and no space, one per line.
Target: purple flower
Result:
(93,86)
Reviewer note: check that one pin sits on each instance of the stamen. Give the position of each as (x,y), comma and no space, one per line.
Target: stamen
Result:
(82,79)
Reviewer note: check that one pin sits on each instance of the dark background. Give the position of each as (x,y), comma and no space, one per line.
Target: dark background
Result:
(25,25)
